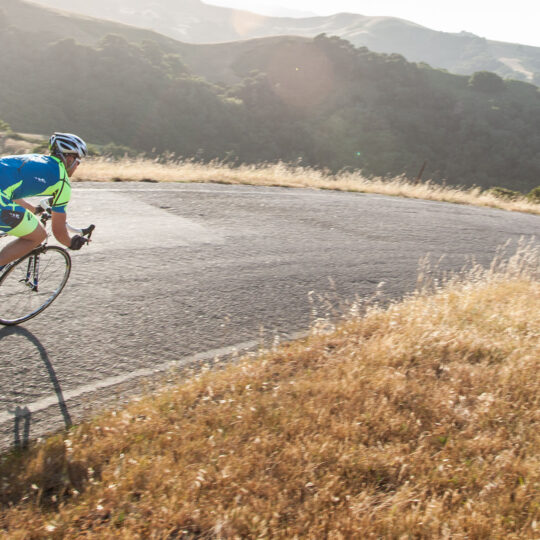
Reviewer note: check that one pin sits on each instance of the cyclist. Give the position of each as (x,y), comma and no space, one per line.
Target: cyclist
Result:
(32,175)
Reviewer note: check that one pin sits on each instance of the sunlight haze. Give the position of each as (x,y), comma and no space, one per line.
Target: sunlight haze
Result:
(515,21)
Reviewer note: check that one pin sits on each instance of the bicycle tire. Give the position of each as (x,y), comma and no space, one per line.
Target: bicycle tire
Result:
(19,302)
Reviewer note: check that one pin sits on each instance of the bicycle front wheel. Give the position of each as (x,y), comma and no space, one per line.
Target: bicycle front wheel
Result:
(33,283)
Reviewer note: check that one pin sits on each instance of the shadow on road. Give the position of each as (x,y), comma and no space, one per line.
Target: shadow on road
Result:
(23,415)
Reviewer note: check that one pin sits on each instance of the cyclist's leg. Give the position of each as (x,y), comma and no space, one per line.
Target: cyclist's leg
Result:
(17,221)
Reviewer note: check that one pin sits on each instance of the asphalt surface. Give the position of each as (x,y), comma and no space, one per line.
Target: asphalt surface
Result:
(179,273)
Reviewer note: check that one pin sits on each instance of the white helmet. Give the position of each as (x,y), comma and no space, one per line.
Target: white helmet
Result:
(67,143)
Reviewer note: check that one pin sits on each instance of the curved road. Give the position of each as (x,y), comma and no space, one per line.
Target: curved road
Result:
(178,273)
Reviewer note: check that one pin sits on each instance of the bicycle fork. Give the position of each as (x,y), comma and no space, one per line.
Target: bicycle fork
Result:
(32,273)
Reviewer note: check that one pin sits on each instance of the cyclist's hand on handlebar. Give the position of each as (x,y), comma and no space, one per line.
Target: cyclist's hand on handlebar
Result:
(77,242)
(39,210)
(43,206)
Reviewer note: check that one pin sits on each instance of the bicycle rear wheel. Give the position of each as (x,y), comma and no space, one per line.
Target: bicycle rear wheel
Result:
(33,283)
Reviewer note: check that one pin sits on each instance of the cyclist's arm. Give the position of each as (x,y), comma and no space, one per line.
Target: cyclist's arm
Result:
(24,204)
(59,228)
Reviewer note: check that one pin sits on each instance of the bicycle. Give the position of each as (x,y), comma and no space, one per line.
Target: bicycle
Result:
(30,284)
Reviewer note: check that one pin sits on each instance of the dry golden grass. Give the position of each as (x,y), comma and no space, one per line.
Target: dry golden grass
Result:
(419,420)
(106,170)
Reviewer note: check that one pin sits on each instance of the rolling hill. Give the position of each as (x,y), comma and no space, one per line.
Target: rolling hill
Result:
(320,101)
(197,22)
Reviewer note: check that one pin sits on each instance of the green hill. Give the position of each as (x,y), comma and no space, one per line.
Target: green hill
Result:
(197,22)
(321,101)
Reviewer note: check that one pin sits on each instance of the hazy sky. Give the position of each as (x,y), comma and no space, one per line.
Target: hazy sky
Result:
(515,21)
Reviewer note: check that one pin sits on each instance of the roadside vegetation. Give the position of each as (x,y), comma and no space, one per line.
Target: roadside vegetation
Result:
(414,420)
(126,169)
(117,163)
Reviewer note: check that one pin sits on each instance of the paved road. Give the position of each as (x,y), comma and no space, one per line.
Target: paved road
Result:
(181,269)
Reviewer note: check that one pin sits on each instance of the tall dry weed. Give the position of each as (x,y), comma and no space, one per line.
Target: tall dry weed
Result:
(286,175)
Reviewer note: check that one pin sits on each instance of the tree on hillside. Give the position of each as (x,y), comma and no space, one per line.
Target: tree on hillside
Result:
(485,81)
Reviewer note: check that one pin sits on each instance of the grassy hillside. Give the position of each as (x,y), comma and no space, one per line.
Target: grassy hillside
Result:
(197,22)
(53,25)
(320,102)
(418,420)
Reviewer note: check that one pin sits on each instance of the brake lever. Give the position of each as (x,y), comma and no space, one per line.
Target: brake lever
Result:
(88,231)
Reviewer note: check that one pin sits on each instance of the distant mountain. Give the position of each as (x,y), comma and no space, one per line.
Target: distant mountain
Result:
(271,10)
(196,22)
(53,25)
(318,100)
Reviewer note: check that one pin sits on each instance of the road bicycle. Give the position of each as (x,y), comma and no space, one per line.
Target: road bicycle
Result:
(30,284)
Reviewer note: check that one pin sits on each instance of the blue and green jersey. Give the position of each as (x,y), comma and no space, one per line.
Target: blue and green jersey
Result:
(32,175)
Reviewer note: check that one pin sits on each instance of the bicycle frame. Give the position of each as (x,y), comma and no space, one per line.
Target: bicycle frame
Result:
(45,216)
(30,283)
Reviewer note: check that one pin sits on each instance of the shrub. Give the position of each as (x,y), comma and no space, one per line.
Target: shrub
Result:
(4,126)
(117,151)
(505,193)
(486,81)
(534,195)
